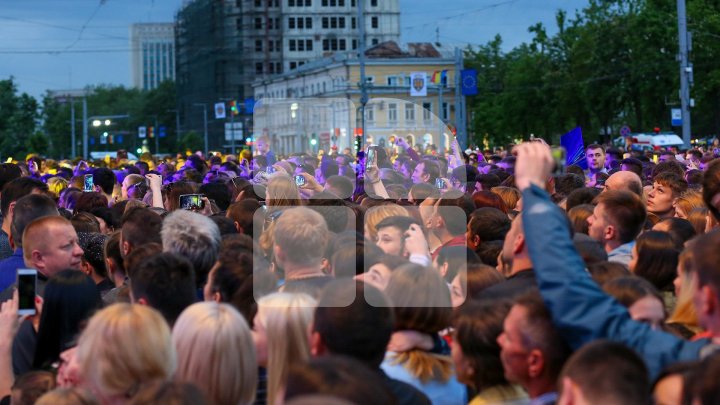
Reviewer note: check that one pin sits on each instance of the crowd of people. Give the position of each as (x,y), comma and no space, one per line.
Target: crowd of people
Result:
(400,276)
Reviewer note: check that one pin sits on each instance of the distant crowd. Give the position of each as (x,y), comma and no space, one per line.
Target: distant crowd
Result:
(397,275)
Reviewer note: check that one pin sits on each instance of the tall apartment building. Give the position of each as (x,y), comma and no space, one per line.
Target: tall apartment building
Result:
(152,54)
(223,46)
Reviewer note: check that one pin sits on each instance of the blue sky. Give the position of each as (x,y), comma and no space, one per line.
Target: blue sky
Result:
(61,44)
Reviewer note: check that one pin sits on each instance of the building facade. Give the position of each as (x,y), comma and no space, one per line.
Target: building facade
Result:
(152,54)
(223,46)
(321,101)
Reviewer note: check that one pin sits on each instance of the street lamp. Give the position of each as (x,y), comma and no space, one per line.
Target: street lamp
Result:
(96,121)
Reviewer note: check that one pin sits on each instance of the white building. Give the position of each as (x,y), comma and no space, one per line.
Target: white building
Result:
(152,50)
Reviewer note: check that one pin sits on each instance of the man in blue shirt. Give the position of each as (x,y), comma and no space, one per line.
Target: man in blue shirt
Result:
(27,209)
(580,310)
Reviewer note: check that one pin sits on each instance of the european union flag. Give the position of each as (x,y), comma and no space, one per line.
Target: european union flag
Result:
(249,105)
(575,147)
(468,82)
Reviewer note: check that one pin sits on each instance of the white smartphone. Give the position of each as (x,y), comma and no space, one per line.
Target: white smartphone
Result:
(27,286)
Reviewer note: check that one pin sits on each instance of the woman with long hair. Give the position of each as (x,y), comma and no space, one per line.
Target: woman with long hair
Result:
(172,192)
(215,351)
(684,318)
(124,346)
(655,258)
(70,299)
(281,332)
(421,302)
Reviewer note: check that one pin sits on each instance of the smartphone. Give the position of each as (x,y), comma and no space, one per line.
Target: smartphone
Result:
(299,180)
(26,285)
(371,156)
(439,183)
(192,202)
(559,155)
(89,186)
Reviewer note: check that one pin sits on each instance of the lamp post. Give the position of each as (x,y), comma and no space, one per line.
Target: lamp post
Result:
(204,107)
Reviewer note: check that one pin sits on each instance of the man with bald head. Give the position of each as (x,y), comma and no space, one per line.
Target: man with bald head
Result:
(50,245)
(624,181)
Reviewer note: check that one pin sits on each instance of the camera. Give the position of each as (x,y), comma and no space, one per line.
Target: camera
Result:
(192,202)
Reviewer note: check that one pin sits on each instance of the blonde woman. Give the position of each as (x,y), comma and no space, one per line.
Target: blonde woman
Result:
(216,352)
(282,192)
(123,347)
(56,185)
(281,331)
(374,215)
(421,302)
(684,319)
(687,201)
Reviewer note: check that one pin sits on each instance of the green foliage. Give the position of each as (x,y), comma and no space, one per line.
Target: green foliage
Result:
(144,108)
(611,64)
(192,141)
(18,116)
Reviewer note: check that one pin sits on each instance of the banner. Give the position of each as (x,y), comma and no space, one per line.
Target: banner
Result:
(468,82)
(219,110)
(418,84)
(142,132)
(575,147)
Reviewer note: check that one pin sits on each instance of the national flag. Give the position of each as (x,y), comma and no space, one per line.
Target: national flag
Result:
(468,82)
(575,147)
(435,78)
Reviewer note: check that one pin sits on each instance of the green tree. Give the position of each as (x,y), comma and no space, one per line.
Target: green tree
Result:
(18,119)
(192,141)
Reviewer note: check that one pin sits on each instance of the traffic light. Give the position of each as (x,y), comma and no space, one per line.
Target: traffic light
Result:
(151,132)
(233,107)
(313,139)
(358,139)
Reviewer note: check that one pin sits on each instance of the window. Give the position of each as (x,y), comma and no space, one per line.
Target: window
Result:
(271,68)
(258,3)
(293,65)
(370,113)
(409,112)
(392,112)
(353,3)
(373,3)
(325,23)
(445,111)
(308,3)
(342,45)
(427,112)
(258,23)
(341,3)
(333,44)
(375,41)
(353,23)
(309,44)
(258,67)
(258,45)
(354,44)
(333,22)
(301,23)
(278,67)
(324,3)
(291,45)
(374,22)
(308,22)
(239,24)
(341,22)
(291,23)
(301,45)
(291,3)
(393,81)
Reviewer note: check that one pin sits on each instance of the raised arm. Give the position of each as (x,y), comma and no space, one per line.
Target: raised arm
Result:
(580,309)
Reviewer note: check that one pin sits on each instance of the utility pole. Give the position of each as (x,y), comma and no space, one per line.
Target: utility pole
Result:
(460,119)
(205,123)
(363,79)
(85,129)
(686,72)
(73,147)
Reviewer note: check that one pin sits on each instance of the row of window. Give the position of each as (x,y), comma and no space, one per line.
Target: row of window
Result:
(272,68)
(323,3)
(300,45)
(272,46)
(300,23)
(273,23)
(392,112)
(270,3)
